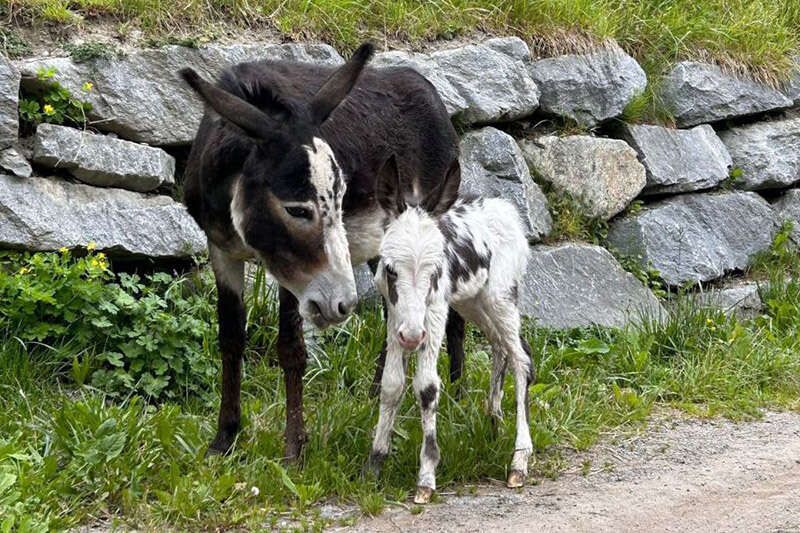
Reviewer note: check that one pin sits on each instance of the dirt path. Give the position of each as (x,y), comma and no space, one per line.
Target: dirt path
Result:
(690,475)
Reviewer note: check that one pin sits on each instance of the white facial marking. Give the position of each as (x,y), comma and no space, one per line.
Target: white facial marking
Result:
(330,186)
(336,285)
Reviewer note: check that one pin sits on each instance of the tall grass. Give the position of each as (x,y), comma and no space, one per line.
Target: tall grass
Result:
(758,37)
(70,454)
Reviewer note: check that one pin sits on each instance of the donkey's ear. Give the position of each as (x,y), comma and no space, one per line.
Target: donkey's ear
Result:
(442,197)
(388,190)
(252,120)
(339,84)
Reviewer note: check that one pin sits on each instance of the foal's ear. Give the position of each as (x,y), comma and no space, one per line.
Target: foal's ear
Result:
(252,120)
(388,191)
(442,197)
(339,84)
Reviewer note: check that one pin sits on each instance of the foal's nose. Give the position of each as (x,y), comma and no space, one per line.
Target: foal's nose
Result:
(411,339)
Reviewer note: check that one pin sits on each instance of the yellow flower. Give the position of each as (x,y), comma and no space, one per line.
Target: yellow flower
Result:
(91,246)
(94,262)
(24,270)
(88,86)
(709,321)
(48,109)
(101,256)
(63,249)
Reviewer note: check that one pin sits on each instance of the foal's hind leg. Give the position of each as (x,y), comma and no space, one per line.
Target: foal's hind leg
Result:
(503,329)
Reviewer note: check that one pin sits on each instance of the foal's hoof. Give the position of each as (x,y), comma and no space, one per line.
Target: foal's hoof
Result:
(423,495)
(516,479)
(374,465)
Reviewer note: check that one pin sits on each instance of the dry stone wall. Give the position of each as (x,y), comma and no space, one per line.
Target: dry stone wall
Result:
(669,194)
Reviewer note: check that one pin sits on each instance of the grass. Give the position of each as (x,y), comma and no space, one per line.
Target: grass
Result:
(70,454)
(757,37)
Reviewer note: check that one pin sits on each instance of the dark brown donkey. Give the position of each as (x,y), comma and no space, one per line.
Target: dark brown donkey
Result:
(283,169)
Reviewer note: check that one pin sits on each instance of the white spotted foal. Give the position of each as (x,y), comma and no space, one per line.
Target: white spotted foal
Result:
(470,255)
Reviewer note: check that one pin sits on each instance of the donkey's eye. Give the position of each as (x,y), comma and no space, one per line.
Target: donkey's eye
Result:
(390,272)
(298,211)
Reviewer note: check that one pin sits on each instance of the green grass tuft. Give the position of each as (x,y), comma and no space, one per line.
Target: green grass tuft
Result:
(71,454)
(757,37)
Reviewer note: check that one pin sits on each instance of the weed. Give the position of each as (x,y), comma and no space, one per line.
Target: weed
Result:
(90,51)
(134,335)
(570,221)
(12,45)
(646,273)
(54,104)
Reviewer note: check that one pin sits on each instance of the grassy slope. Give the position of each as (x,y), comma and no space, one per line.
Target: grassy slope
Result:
(69,454)
(758,36)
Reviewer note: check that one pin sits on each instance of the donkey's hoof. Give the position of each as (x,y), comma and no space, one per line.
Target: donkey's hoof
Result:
(423,495)
(222,443)
(516,479)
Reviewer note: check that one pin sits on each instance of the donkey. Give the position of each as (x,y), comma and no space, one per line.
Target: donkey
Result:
(471,256)
(283,170)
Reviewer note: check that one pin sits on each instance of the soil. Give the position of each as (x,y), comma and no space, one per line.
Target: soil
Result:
(678,475)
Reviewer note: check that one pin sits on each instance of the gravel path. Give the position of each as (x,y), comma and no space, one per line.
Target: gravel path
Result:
(686,475)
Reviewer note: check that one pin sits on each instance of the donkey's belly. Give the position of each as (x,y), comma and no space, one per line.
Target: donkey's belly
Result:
(364,234)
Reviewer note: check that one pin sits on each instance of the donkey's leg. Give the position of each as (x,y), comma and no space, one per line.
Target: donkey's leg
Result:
(229,275)
(375,388)
(455,346)
(426,389)
(392,384)
(292,357)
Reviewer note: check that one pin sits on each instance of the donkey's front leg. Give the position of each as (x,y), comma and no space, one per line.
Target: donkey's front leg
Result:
(426,388)
(229,275)
(292,356)
(392,384)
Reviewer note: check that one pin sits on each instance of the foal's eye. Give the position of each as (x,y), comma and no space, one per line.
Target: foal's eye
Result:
(390,272)
(298,211)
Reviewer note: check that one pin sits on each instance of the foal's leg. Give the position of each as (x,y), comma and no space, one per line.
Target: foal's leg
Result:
(508,325)
(392,383)
(499,365)
(426,389)
(292,357)
(502,325)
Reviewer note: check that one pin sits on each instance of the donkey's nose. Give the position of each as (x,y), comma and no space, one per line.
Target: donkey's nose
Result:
(345,306)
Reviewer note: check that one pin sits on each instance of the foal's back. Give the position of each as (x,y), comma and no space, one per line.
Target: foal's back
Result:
(485,246)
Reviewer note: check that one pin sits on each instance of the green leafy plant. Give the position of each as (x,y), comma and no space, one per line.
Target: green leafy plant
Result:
(13,45)
(54,104)
(135,335)
(91,50)
(648,275)
(570,221)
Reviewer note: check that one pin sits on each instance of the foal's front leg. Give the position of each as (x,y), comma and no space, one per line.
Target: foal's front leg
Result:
(392,384)
(426,388)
